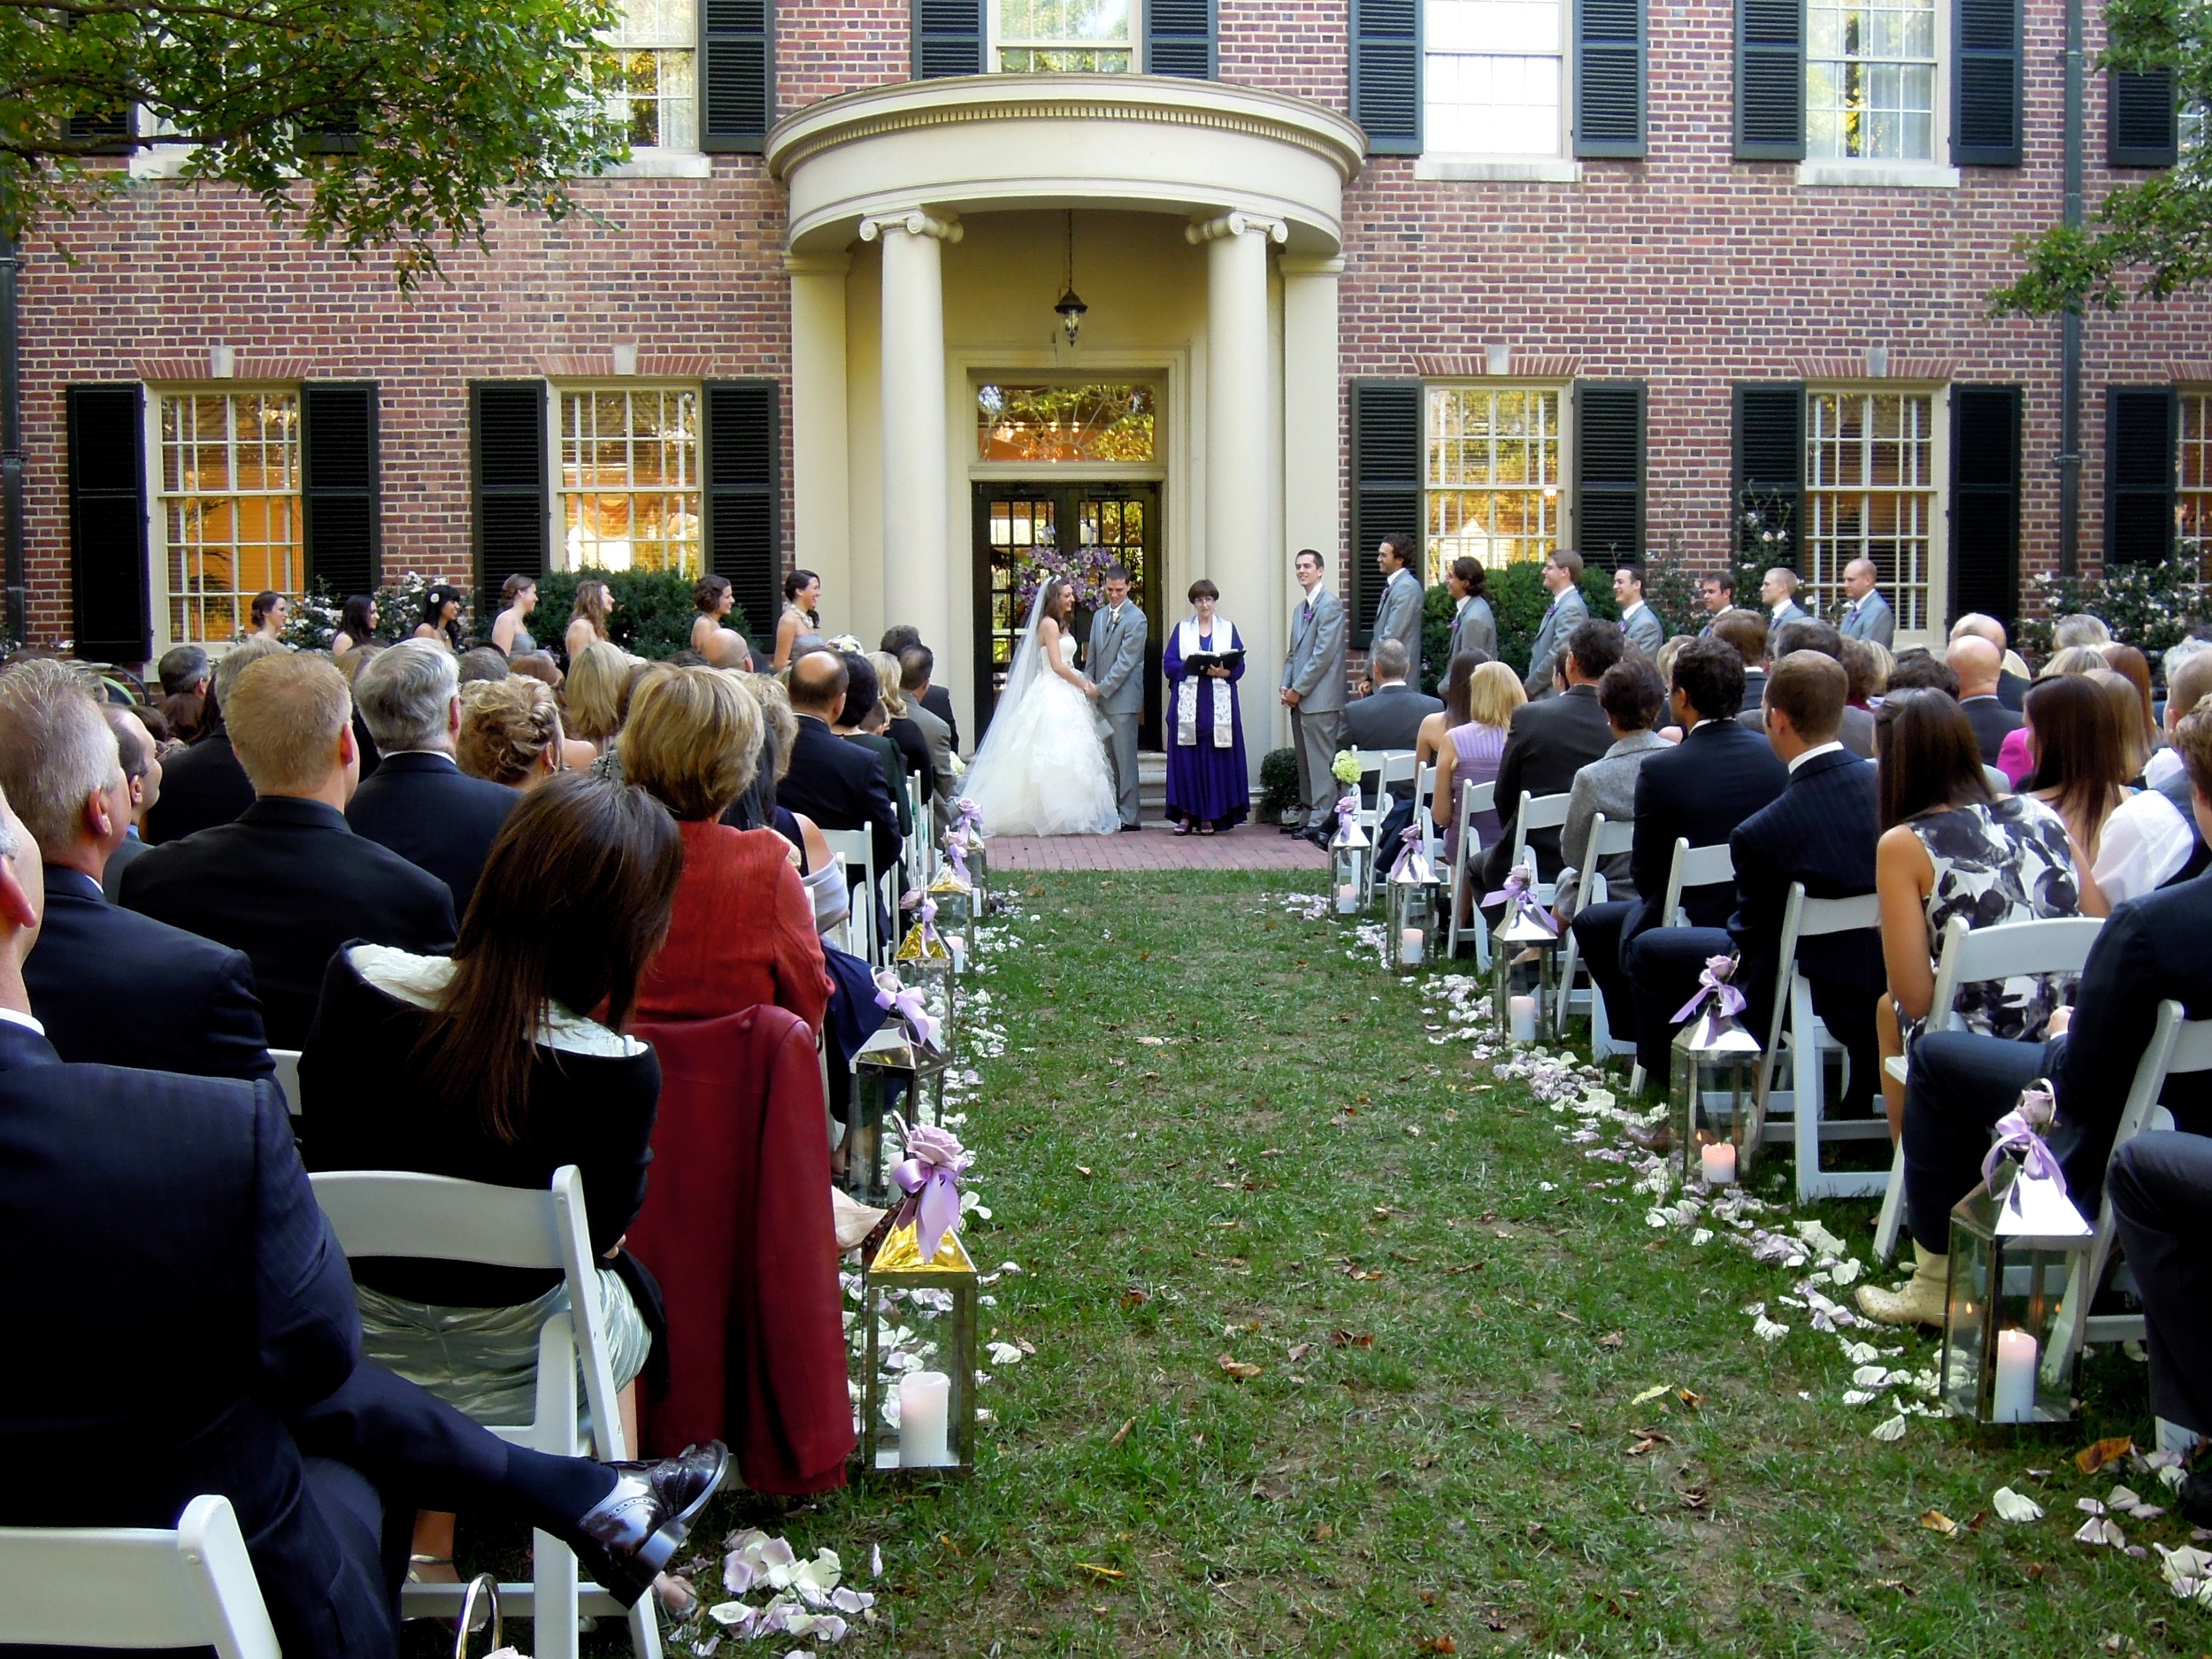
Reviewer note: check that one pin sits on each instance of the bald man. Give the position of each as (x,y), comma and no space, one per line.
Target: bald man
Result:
(1977,663)
(2012,679)
(839,785)
(1868,616)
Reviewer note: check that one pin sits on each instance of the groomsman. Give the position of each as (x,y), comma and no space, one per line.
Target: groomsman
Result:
(1116,660)
(1779,593)
(1716,594)
(1398,617)
(1563,578)
(1868,617)
(1639,623)
(1313,691)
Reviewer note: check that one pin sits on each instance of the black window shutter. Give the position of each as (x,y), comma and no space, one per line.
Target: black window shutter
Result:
(1386,75)
(1178,39)
(1985,84)
(2141,445)
(948,38)
(2143,125)
(742,512)
(110,616)
(1769,80)
(1770,459)
(340,497)
(737,73)
(512,516)
(1986,502)
(1385,485)
(1608,443)
(1608,77)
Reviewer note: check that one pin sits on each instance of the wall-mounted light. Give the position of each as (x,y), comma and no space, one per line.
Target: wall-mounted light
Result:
(1070,308)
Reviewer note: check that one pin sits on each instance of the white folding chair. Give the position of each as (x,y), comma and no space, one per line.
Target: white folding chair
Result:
(131,1586)
(288,1076)
(1467,870)
(1691,867)
(1393,782)
(1793,1024)
(857,849)
(1424,814)
(1606,841)
(2058,944)
(434,1218)
(1538,811)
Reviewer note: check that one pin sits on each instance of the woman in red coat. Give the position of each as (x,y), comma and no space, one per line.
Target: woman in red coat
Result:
(743,933)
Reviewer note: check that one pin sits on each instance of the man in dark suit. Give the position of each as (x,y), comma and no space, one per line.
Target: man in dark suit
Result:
(90,975)
(1390,716)
(1977,663)
(163,1226)
(1551,740)
(2161,1200)
(1856,733)
(419,803)
(141,777)
(205,785)
(2012,689)
(290,882)
(897,641)
(839,785)
(1958,1084)
(1748,632)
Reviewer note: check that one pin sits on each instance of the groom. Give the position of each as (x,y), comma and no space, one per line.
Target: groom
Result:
(1117,654)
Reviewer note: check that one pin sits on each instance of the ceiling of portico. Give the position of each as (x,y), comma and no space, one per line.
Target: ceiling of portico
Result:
(990,142)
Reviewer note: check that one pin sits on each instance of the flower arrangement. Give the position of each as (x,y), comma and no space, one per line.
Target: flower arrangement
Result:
(1085,566)
(1345,767)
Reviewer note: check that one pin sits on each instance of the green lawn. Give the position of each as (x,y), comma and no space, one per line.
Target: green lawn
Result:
(1452,1311)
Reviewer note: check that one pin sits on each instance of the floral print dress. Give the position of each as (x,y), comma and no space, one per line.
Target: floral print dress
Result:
(2006,861)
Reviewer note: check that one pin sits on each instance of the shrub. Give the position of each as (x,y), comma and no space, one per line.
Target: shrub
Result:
(399,605)
(313,623)
(653,610)
(1279,784)
(1519,600)
(2147,606)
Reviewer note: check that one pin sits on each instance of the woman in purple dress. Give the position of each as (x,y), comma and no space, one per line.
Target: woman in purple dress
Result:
(1207,786)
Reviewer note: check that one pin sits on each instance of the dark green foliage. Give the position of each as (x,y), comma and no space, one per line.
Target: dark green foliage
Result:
(1279,784)
(1671,589)
(2149,606)
(1436,637)
(653,610)
(1519,601)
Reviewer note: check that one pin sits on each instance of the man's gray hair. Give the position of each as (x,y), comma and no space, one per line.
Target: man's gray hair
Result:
(1390,661)
(182,668)
(237,660)
(2079,629)
(55,749)
(404,692)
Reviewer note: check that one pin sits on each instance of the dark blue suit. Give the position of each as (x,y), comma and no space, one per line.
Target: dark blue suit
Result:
(433,815)
(840,786)
(202,787)
(113,988)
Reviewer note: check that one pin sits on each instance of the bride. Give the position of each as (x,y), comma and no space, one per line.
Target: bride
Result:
(1042,769)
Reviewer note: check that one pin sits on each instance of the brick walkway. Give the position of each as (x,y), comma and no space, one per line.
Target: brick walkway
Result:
(1156,846)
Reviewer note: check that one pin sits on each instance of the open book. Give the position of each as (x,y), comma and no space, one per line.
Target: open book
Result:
(1199,663)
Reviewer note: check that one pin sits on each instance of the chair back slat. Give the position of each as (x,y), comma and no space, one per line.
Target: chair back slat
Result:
(1694,867)
(288,1076)
(435,1217)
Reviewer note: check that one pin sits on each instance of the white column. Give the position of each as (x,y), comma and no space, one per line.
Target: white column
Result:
(1236,554)
(916,557)
(820,483)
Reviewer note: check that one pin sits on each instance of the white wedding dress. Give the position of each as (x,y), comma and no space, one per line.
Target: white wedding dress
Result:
(1043,769)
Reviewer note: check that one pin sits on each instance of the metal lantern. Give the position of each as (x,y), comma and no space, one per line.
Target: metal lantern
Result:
(1524,926)
(1414,910)
(900,1070)
(902,1294)
(924,962)
(1350,856)
(957,900)
(1712,1095)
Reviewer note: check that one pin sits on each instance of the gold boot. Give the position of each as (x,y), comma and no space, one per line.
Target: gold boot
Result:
(1918,1302)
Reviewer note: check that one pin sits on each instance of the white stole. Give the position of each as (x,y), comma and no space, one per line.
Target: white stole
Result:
(1187,646)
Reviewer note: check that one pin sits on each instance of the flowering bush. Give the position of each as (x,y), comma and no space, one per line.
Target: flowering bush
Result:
(2148,606)
(313,623)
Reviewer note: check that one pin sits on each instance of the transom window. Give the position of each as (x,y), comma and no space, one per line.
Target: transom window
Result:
(1492,77)
(1095,37)
(1493,475)
(230,506)
(1870,80)
(655,97)
(630,479)
(2195,507)
(1871,493)
(1064,423)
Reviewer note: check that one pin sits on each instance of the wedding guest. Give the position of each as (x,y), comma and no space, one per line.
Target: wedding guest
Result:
(1390,714)
(742,930)
(837,785)
(205,785)
(916,663)
(420,804)
(860,722)
(904,637)
(187,715)
(271,611)
(356,625)
(185,672)
(711,636)
(290,882)
(2132,666)
(1867,663)
(757,808)
(1717,594)
(802,614)
(511,735)
(1474,625)
(1747,631)
(2188,683)
(2161,1193)
(1639,623)
(441,617)
(2081,759)
(1563,580)
(1778,591)
(898,724)
(1868,614)
(1480,699)
(1313,691)
(587,618)
(1398,613)
(538,666)
(486,662)
(93,964)
(1207,788)
(1551,740)
(1919,670)
(2080,629)
(1856,731)
(140,755)
(1977,665)
(597,677)
(1631,695)
(518,598)
(2012,681)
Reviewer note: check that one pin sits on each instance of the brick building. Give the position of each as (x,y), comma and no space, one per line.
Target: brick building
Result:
(1511,273)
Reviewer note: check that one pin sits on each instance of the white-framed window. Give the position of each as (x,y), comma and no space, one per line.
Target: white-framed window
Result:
(1493,77)
(628,471)
(1495,456)
(1871,492)
(228,506)
(656,93)
(1090,37)
(2194,505)
(1870,80)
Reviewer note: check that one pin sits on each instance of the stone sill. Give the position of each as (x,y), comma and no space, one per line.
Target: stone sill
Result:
(167,161)
(1500,170)
(1911,175)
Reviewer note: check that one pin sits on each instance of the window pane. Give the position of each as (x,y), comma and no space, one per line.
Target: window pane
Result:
(229,506)
(1064,423)
(629,472)
(1870,79)
(1035,22)
(653,98)
(1868,467)
(1493,471)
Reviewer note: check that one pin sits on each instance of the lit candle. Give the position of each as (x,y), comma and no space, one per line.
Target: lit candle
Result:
(1410,943)
(1719,1159)
(1348,897)
(924,1410)
(958,948)
(2016,1378)
(1524,1009)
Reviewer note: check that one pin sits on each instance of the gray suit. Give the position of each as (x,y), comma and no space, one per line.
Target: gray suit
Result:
(1399,618)
(938,736)
(1790,613)
(1645,631)
(1314,668)
(1116,662)
(1870,619)
(1567,613)
(1475,628)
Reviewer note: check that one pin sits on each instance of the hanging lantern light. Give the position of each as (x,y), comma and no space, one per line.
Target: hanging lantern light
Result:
(1413,907)
(1070,309)
(1349,855)
(920,1288)
(1711,1086)
(1526,928)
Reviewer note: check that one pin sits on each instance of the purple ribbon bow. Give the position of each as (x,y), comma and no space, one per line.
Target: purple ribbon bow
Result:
(930,1178)
(967,821)
(1516,898)
(1346,813)
(955,855)
(893,997)
(2020,1131)
(1409,841)
(919,899)
(1727,1000)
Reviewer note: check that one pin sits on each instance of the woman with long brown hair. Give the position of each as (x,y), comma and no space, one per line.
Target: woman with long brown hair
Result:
(1041,770)
(587,617)
(2082,754)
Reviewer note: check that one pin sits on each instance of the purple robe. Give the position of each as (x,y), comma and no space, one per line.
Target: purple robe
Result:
(1204,783)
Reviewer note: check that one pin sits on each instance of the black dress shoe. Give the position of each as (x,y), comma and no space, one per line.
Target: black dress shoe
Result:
(2195,1500)
(638,1525)
(1292,829)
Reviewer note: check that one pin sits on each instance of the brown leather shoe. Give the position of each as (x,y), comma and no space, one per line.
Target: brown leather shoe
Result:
(1657,1137)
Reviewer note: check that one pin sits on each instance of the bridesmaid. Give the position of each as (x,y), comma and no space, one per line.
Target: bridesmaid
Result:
(802,612)
(1207,788)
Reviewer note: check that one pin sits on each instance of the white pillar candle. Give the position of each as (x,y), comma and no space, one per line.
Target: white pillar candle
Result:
(1348,897)
(1523,1011)
(2015,1400)
(957,948)
(1719,1160)
(924,1414)
(1410,943)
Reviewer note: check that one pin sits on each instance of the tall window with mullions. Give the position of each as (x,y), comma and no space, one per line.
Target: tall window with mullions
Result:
(629,478)
(1493,475)
(1870,493)
(1870,80)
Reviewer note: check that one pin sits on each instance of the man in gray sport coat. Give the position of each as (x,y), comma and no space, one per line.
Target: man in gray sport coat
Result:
(1313,691)
(1639,623)
(1868,617)
(1115,662)
(1398,615)
(1563,578)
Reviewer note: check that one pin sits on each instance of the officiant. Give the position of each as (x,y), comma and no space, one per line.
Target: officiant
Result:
(1207,786)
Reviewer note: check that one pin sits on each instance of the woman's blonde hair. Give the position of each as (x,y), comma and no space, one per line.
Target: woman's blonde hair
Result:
(1493,695)
(507,727)
(888,688)
(2074,659)
(775,711)
(693,740)
(594,691)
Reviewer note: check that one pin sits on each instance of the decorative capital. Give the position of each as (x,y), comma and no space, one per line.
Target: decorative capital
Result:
(1235,225)
(913,223)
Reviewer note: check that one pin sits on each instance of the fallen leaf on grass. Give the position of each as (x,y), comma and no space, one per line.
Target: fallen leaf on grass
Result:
(1346,1339)
(1236,1367)
(1096,1571)
(2092,1458)
(1135,1298)
(1696,1498)
(1651,1393)
(1438,1644)
(1938,1523)
(1689,1398)
(1299,1351)
(1083,1172)
(1647,1439)
(1611,1338)
(1323,1533)
(1122,1434)
(1896,1584)
(2012,1506)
